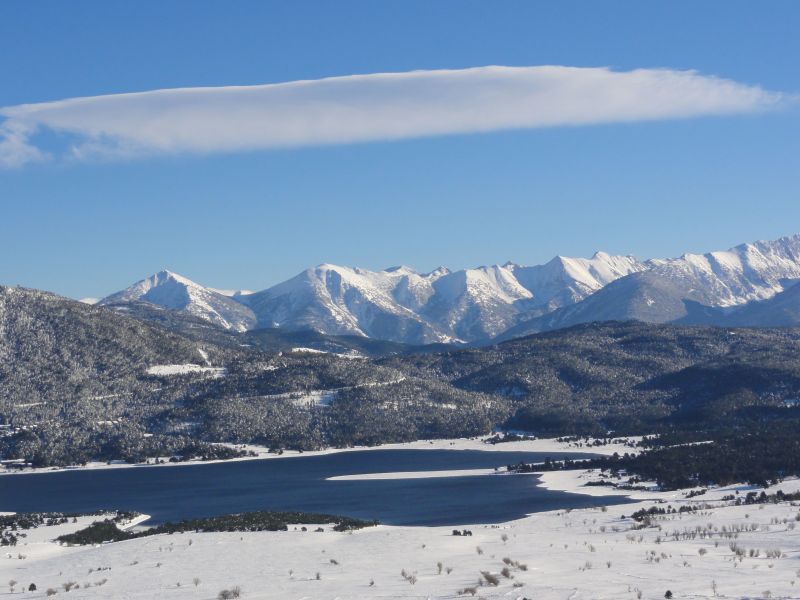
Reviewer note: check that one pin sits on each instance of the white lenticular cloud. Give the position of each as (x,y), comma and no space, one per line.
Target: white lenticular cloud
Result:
(362,108)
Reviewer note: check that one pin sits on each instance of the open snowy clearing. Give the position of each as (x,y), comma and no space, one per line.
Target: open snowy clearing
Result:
(579,554)
(167,370)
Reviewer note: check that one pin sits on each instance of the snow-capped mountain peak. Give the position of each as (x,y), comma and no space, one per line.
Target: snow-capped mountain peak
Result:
(693,288)
(175,292)
(404,305)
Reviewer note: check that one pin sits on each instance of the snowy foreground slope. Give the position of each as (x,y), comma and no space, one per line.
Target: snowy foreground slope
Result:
(590,553)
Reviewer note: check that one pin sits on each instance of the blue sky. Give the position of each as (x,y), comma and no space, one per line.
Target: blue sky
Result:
(251,218)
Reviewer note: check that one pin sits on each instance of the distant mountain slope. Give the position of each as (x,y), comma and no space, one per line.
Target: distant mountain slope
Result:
(402,305)
(351,301)
(470,306)
(689,289)
(177,293)
(80,382)
(270,339)
(564,281)
(782,310)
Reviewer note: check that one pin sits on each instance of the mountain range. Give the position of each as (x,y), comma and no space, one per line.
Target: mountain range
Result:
(736,287)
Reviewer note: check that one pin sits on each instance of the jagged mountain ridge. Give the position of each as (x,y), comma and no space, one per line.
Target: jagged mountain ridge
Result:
(701,289)
(493,302)
(397,304)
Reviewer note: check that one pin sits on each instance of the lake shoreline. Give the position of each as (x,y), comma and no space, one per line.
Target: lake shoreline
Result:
(263,453)
(412,485)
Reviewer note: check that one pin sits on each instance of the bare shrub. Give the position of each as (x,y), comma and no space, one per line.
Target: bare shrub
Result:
(234,592)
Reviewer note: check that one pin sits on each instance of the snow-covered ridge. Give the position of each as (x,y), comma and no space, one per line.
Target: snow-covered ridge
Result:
(398,303)
(176,292)
(739,275)
(403,305)
(185,369)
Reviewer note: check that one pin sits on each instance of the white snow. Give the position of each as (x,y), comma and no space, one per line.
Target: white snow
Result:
(175,292)
(742,274)
(353,354)
(412,475)
(347,300)
(576,554)
(168,370)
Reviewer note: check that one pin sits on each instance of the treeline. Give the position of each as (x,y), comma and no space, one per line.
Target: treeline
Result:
(645,514)
(760,453)
(107,530)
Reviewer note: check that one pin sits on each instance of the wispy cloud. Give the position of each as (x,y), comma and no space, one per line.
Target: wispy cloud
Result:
(361,108)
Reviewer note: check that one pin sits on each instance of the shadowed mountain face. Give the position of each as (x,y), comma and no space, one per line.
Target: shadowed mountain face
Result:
(782,310)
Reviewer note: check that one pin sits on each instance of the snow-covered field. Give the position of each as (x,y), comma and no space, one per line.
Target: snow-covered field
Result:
(590,553)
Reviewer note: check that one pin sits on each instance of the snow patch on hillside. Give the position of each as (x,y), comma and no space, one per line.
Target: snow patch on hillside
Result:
(185,369)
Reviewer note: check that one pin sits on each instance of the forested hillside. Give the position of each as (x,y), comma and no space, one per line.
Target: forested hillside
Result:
(627,377)
(84,383)
(80,383)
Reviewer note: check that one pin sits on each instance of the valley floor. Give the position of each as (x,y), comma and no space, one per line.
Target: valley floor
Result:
(591,553)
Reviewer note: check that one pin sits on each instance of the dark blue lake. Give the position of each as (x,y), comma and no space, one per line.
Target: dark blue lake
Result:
(176,492)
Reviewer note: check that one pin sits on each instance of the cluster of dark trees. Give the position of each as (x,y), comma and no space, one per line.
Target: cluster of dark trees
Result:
(760,451)
(761,454)
(762,497)
(13,526)
(107,531)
